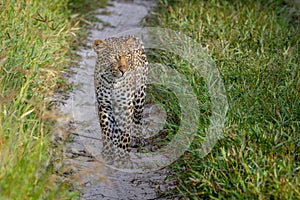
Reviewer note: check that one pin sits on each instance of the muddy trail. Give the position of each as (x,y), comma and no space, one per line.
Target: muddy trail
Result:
(91,177)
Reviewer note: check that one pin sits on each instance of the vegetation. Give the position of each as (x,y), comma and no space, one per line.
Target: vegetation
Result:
(255,45)
(36,37)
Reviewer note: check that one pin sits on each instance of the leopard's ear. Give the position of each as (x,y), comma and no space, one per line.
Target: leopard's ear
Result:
(99,44)
(131,41)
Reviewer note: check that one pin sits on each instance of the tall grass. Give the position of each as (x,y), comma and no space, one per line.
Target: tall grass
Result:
(35,47)
(255,45)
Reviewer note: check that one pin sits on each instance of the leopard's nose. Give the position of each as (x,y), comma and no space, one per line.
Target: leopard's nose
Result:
(122,69)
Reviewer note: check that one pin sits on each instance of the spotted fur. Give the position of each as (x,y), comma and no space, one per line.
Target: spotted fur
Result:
(120,81)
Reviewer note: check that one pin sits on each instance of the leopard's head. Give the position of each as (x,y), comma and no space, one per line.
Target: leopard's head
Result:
(114,55)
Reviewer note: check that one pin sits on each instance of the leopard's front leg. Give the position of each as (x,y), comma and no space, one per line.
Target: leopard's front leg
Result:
(139,104)
(123,109)
(107,124)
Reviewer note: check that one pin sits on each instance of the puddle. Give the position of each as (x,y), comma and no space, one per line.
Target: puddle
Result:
(92,177)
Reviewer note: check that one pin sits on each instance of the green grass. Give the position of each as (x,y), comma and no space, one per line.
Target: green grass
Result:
(36,37)
(255,45)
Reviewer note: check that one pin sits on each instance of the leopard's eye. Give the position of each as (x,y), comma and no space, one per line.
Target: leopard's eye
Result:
(128,56)
(117,57)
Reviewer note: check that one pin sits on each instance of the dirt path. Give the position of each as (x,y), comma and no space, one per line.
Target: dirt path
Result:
(93,178)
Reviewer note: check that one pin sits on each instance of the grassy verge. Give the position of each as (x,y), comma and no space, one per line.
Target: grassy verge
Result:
(255,45)
(36,37)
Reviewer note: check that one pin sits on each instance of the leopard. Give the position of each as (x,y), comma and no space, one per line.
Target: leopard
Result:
(120,78)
